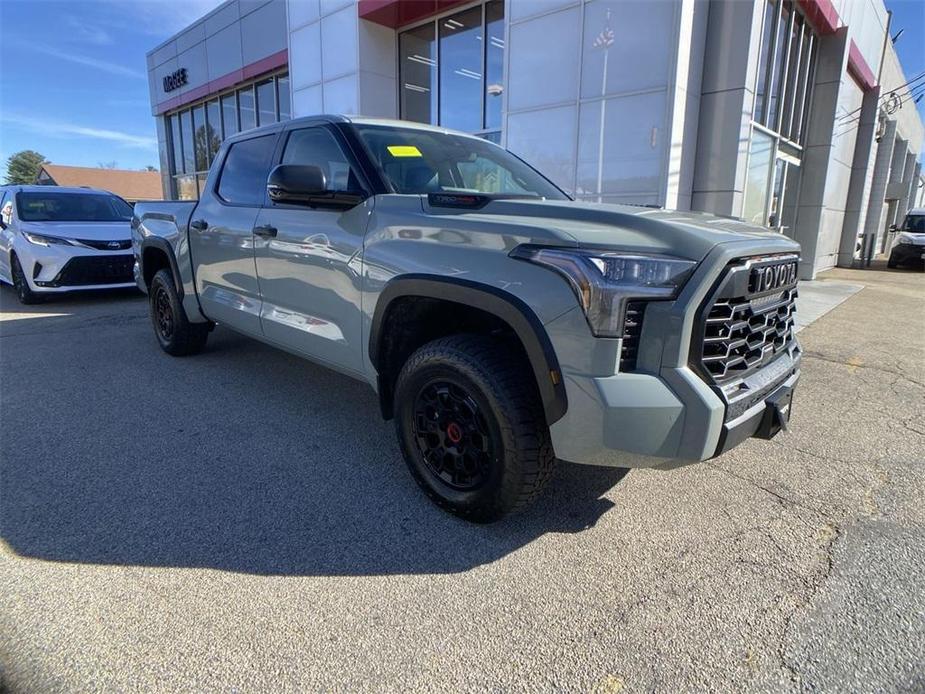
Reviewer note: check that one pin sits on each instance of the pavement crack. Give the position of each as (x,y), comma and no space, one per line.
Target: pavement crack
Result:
(812,454)
(831,532)
(780,498)
(871,367)
(908,426)
(834,532)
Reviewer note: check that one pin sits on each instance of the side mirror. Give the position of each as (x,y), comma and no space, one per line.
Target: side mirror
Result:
(894,228)
(295,183)
(298,184)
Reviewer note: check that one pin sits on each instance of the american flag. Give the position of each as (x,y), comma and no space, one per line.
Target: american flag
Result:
(606,38)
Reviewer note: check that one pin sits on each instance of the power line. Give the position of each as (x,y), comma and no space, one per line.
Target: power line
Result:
(918,77)
(912,95)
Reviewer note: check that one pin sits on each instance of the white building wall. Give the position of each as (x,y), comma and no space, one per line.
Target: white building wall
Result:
(323,56)
(838,180)
(339,63)
(685,103)
(733,39)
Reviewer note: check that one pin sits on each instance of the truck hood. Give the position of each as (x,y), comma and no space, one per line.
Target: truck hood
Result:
(88,231)
(684,234)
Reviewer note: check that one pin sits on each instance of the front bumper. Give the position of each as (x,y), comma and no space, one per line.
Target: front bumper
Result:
(665,420)
(908,253)
(665,413)
(51,269)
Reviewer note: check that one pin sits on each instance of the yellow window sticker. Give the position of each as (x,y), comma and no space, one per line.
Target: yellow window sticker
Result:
(404,151)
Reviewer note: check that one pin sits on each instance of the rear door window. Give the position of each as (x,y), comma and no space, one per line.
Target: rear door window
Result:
(244,174)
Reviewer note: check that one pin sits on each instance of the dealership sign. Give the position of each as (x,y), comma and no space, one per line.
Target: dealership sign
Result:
(175,80)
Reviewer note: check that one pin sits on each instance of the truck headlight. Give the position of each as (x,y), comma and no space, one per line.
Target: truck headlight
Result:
(905,240)
(604,281)
(40,240)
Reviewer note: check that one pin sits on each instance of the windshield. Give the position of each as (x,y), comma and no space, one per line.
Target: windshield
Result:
(915,223)
(72,207)
(420,161)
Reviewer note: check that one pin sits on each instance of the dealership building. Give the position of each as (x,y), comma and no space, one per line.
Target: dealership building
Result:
(794,114)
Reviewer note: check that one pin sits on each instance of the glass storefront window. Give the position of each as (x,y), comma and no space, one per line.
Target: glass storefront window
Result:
(283,99)
(213,128)
(770,10)
(784,76)
(186,128)
(461,70)
(418,67)
(229,115)
(200,138)
(248,113)
(777,73)
(266,103)
(782,95)
(177,144)
(757,181)
(801,107)
(793,70)
(463,89)
(494,63)
(196,133)
(186,187)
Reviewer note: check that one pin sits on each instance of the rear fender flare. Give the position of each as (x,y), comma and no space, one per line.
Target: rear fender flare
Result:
(162,245)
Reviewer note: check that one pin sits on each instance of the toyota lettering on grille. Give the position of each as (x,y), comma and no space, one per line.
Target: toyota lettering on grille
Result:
(770,277)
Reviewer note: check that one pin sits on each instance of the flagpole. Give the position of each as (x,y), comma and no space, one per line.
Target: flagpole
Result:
(606,40)
(600,142)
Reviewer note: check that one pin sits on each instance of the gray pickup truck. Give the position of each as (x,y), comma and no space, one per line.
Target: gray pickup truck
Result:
(502,324)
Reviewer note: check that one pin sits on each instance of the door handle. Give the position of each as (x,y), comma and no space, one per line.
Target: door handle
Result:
(266,230)
(199,224)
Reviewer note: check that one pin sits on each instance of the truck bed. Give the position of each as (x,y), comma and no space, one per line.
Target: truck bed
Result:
(167,219)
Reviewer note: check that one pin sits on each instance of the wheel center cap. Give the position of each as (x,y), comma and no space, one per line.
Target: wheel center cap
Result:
(454,432)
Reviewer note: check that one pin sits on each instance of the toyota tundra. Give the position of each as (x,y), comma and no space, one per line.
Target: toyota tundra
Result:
(502,324)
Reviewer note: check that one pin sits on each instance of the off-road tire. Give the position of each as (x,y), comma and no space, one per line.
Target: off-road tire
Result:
(23,291)
(174,331)
(520,460)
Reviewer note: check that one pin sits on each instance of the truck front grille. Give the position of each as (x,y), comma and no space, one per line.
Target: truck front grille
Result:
(743,330)
(740,336)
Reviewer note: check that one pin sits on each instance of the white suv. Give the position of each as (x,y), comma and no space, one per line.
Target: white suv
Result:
(63,239)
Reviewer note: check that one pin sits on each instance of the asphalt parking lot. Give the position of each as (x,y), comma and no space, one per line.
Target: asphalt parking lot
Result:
(242,520)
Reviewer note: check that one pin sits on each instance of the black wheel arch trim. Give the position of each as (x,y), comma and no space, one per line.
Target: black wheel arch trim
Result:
(162,245)
(504,305)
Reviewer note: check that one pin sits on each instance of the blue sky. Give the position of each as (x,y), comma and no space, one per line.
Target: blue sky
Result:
(910,46)
(73,83)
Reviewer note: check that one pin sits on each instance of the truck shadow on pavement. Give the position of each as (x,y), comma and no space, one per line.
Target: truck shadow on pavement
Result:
(242,459)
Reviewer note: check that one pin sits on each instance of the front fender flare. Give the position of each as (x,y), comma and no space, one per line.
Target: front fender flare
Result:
(503,305)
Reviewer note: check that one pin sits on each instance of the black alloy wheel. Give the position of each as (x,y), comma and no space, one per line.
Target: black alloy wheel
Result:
(471,427)
(174,331)
(452,434)
(163,313)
